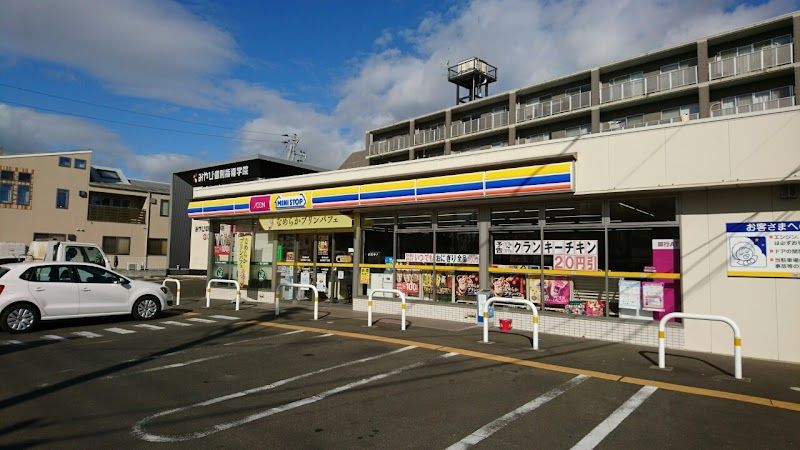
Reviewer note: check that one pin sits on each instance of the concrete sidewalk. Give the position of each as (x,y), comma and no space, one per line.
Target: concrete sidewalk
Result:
(768,380)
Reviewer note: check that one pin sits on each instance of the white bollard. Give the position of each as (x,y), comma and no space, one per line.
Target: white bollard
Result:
(737,338)
(534,318)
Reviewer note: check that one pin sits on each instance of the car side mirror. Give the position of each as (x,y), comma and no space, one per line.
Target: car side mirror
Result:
(123,282)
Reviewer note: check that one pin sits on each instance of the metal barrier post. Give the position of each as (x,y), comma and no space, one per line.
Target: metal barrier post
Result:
(217,280)
(388,291)
(177,290)
(534,319)
(303,286)
(737,338)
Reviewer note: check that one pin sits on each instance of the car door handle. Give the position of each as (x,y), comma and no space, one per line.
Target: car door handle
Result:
(85,289)
(39,289)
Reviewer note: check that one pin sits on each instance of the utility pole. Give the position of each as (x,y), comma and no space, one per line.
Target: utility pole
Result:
(293,153)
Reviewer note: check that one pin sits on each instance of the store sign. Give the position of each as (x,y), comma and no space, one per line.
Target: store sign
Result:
(290,201)
(653,296)
(575,262)
(364,275)
(442,258)
(630,294)
(260,203)
(217,176)
(243,244)
(307,222)
(764,249)
(550,247)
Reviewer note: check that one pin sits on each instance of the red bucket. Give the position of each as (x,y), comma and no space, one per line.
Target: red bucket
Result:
(505,324)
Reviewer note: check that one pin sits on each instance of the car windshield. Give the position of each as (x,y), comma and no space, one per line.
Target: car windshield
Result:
(3,271)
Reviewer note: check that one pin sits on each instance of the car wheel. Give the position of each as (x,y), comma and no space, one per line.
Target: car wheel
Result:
(146,308)
(20,318)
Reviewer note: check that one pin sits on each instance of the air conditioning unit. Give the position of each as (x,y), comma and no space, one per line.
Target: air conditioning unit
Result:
(132,266)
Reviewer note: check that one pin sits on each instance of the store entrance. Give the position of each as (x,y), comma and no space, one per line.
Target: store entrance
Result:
(324,260)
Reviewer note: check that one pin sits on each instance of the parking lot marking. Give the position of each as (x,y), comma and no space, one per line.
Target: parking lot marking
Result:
(181,364)
(138,428)
(324,335)
(54,337)
(496,425)
(201,320)
(120,330)
(87,334)
(744,398)
(177,324)
(148,326)
(13,342)
(225,317)
(289,333)
(596,436)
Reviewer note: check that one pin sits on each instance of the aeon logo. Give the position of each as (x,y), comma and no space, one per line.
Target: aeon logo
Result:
(259,203)
(291,201)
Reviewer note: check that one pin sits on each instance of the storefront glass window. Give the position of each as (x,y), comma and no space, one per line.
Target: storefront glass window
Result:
(261,263)
(515,217)
(457,266)
(457,219)
(378,250)
(589,211)
(643,210)
(415,248)
(518,249)
(414,220)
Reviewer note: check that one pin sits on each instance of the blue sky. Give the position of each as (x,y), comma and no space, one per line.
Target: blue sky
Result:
(325,70)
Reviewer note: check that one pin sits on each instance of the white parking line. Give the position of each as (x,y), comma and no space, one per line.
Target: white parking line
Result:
(181,364)
(324,335)
(288,333)
(201,320)
(13,342)
(148,326)
(225,317)
(138,428)
(261,338)
(177,324)
(120,330)
(87,334)
(605,427)
(497,424)
(54,337)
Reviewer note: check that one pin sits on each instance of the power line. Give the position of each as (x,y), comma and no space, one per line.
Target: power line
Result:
(173,130)
(114,108)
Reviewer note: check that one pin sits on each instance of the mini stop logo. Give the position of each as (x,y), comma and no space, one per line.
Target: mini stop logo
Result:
(290,201)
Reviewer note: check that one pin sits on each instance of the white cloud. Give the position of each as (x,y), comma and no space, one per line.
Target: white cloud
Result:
(26,131)
(143,48)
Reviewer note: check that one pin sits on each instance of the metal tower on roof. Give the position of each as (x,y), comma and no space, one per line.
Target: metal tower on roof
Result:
(474,75)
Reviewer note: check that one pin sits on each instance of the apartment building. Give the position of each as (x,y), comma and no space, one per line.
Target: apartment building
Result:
(609,198)
(64,196)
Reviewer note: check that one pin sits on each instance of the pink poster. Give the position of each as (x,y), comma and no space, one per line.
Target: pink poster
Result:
(665,260)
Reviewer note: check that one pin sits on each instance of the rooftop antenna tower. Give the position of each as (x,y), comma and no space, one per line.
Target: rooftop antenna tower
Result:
(474,75)
(293,153)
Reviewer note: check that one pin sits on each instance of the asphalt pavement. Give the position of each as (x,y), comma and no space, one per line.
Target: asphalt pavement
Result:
(219,378)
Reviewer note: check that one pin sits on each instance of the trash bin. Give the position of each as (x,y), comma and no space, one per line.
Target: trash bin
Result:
(505,325)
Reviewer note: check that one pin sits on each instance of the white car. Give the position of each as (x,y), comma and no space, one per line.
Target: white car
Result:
(30,292)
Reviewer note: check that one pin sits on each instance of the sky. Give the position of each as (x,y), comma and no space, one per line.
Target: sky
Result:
(154,87)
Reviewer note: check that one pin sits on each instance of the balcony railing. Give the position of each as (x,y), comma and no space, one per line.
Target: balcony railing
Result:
(557,106)
(784,102)
(116,214)
(751,62)
(648,84)
(389,145)
(430,135)
(613,126)
(487,122)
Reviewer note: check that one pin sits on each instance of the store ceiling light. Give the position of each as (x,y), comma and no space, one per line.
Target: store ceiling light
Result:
(635,209)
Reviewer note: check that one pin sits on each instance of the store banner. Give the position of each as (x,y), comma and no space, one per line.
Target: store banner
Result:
(550,247)
(407,281)
(510,286)
(243,245)
(364,276)
(442,258)
(764,249)
(306,222)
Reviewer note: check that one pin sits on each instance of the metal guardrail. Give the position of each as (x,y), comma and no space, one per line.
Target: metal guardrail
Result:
(751,62)
(388,291)
(534,319)
(301,286)
(557,106)
(483,123)
(430,135)
(737,337)
(611,126)
(390,145)
(177,289)
(116,214)
(784,102)
(648,85)
(220,281)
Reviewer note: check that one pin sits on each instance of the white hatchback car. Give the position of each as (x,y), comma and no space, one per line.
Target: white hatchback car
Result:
(30,292)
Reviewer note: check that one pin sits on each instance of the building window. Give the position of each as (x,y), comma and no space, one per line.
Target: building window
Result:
(80,163)
(5,193)
(157,247)
(115,245)
(23,195)
(62,199)
(164,208)
(7,175)
(24,177)
(63,161)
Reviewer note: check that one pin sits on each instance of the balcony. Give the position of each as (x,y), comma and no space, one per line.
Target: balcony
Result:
(389,145)
(484,123)
(557,106)
(614,126)
(116,214)
(784,102)
(648,85)
(430,135)
(751,62)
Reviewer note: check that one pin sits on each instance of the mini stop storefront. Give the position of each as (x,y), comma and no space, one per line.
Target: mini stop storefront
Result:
(518,232)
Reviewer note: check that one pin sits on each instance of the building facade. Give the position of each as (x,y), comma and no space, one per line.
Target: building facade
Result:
(64,196)
(609,198)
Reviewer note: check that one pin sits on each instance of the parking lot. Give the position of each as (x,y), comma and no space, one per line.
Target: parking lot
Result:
(211,378)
